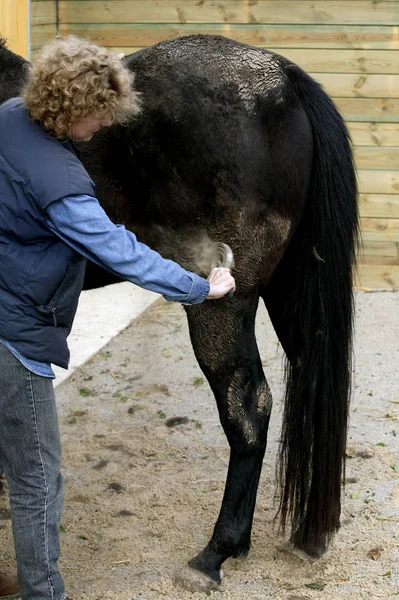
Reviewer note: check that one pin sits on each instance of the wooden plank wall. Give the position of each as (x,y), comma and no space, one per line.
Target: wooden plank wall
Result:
(14,25)
(43,23)
(350,46)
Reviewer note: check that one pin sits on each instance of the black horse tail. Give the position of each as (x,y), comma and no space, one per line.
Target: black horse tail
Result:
(310,301)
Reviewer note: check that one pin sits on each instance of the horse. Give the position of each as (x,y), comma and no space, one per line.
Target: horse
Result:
(238,144)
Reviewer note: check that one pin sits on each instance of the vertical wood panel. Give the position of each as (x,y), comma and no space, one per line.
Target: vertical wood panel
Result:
(14,25)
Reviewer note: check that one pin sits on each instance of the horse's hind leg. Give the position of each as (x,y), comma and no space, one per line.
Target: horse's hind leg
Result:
(223,339)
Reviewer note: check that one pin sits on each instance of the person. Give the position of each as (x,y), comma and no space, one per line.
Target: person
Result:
(50,222)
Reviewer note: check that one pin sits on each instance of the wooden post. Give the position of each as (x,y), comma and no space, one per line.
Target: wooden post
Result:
(14,25)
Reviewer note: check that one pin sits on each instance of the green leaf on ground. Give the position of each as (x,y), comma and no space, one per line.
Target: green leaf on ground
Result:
(86,392)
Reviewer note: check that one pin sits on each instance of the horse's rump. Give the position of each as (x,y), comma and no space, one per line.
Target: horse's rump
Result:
(222,150)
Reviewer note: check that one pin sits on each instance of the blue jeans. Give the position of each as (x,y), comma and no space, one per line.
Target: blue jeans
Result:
(30,452)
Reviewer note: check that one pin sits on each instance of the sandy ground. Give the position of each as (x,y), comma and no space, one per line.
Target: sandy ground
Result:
(142,497)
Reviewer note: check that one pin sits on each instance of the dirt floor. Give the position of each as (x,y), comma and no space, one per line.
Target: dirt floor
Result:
(142,493)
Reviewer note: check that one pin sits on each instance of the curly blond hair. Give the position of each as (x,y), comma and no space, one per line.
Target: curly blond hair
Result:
(72,78)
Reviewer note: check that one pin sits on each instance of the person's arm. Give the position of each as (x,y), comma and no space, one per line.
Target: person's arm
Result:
(82,224)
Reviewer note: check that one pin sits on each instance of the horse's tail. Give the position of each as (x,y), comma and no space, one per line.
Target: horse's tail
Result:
(313,304)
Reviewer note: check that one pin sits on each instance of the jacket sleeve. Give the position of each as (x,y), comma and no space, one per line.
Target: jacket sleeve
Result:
(81,223)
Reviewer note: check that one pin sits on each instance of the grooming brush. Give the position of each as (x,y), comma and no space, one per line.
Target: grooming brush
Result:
(222,256)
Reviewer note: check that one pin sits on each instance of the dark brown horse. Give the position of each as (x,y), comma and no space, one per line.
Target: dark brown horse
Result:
(239,145)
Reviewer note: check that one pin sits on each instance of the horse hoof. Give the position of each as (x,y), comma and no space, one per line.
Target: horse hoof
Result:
(193,580)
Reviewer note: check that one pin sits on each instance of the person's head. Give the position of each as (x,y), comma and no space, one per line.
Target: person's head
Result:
(75,87)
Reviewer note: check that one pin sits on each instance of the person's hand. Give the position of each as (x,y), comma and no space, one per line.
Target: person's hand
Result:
(221,281)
